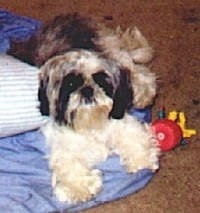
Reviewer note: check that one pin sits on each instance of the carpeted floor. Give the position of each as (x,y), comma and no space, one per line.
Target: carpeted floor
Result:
(173,29)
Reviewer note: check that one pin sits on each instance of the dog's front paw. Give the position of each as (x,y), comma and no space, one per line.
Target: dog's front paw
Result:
(136,164)
(80,188)
(140,157)
(137,147)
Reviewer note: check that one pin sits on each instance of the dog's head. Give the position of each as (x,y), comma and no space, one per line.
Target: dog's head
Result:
(80,88)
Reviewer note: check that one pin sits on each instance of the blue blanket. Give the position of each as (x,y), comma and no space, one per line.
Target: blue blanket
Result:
(15,28)
(25,179)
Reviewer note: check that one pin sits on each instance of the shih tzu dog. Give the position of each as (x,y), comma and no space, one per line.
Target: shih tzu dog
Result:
(90,78)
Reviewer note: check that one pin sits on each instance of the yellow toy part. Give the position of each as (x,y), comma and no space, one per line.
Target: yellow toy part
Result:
(179,117)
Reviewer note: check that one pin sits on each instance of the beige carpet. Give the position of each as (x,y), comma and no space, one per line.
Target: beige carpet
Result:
(173,29)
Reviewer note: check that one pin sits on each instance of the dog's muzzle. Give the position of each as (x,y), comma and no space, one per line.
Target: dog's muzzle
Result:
(87,93)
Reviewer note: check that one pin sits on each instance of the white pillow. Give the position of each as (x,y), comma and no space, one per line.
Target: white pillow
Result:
(19,105)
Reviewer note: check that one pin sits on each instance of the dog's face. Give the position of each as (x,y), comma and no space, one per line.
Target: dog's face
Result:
(81,89)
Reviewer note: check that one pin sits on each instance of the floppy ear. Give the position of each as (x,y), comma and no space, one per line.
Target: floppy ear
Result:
(123,96)
(42,96)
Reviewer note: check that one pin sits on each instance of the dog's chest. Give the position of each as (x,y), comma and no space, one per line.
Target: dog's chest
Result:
(88,119)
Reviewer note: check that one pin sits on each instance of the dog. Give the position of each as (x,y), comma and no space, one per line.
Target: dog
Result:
(90,77)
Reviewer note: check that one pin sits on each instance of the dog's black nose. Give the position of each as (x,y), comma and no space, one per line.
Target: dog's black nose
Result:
(87,92)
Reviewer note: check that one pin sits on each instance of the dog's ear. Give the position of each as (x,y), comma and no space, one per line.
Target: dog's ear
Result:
(42,96)
(123,96)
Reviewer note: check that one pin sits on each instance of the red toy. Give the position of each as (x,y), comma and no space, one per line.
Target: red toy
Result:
(170,131)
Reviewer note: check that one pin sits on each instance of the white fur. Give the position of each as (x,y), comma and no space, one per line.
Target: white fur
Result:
(74,154)
(144,86)
(89,135)
(127,47)
(131,49)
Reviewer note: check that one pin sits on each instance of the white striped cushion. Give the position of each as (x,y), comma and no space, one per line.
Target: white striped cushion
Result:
(19,105)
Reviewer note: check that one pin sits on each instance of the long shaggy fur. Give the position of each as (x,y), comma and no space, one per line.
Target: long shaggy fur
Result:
(128,48)
(74,154)
(88,98)
(90,77)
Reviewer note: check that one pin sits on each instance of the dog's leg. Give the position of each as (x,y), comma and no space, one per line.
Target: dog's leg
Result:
(72,159)
(136,144)
(75,184)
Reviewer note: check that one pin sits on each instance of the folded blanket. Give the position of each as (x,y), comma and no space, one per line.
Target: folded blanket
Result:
(25,179)
(15,28)
(18,81)
(19,108)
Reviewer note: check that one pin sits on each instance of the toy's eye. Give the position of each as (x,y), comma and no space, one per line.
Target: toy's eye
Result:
(103,80)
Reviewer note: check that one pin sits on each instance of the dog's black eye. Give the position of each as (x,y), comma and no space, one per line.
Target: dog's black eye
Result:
(72,82)
(103,80)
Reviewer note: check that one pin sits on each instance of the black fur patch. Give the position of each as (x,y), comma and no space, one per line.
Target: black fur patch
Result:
(102,79)
(42,96)
(70,83)
(122,100)
(76,32)
(24,51)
